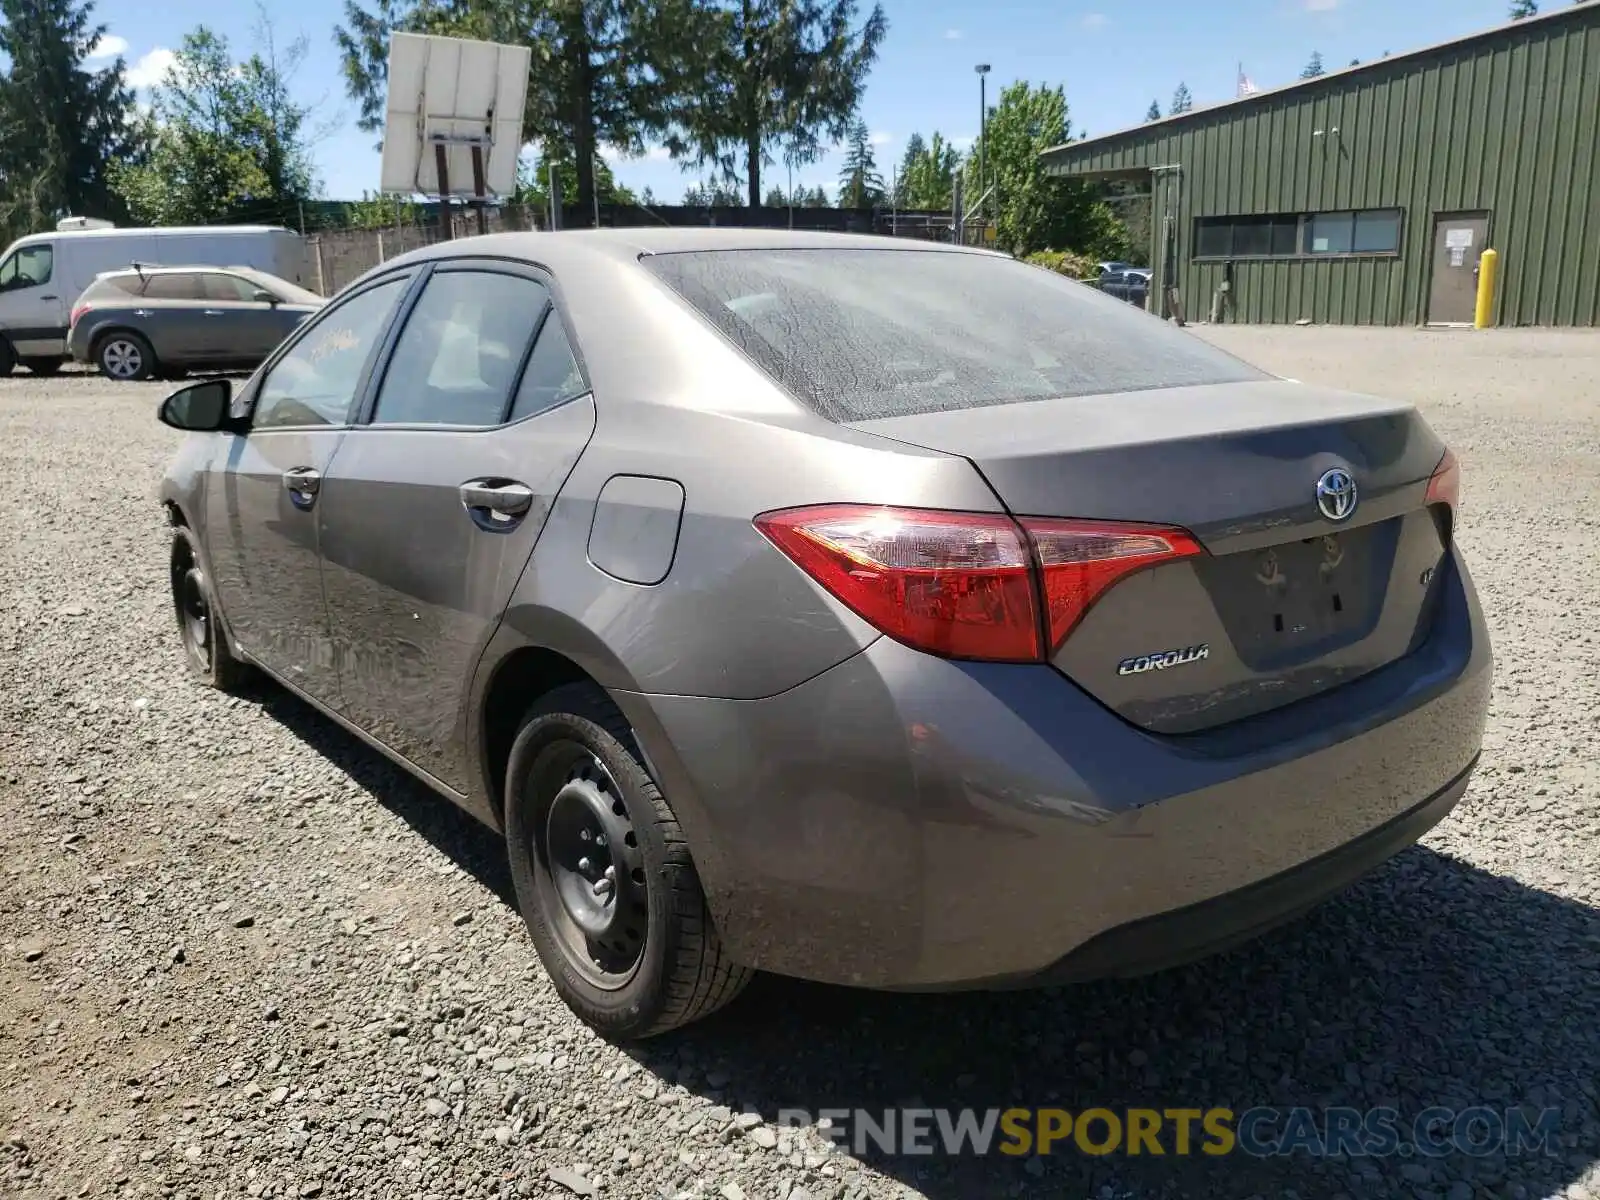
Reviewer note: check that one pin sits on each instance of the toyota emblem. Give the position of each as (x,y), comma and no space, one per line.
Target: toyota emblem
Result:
(1336,494)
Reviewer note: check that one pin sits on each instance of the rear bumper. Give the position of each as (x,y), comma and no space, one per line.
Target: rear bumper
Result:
(901,821)
(1223,922)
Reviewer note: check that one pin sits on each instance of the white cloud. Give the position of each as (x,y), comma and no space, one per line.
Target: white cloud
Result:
(953,35)
(963,143)
(881,139)
(151,69)
(1096,20)
(1321,5)
(109,46)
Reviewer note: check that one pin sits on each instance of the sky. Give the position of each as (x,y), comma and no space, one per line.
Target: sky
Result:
(1112,56)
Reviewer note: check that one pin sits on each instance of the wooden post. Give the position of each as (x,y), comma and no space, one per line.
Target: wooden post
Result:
(445,231)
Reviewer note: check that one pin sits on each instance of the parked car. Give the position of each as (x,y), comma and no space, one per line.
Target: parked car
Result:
(41,273)
(133,324)
(900,617)
(1131,284)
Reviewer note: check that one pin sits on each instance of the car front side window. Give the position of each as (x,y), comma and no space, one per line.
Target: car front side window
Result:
(28,267)
(456,359)
(315,381)
(229,288)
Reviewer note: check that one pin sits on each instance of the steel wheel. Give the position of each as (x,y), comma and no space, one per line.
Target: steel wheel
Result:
(194,615)
(123,358)
(592,886)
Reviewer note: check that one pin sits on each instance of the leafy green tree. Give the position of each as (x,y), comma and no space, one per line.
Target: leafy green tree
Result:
(66,127)
(928,179)
(226,140)
(1314,67)
(1523,8)
(1182,101)
(1038,211)
(533,179)
(1154,114)
(766,75)
(860,184)
(373,211)
(603,71)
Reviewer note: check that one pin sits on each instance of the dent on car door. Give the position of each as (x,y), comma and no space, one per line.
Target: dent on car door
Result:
(262,500)
(431,509)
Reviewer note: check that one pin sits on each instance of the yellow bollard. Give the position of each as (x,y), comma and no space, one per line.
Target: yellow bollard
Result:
(1486,278)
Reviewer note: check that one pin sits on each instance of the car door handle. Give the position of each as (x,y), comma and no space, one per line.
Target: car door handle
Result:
(49,297)
(302,484)
(496,504)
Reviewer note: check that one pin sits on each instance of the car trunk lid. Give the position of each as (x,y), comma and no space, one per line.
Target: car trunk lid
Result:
(1286,602)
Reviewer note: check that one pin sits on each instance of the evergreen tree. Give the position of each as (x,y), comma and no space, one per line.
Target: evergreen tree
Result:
(760,74)
(227,142)
(817,197)
(64,128)
(928,180)
(1155,112)
(860,185)
(776,198)
(1182,101)
(1314,67)
(1523,8)
(915,149)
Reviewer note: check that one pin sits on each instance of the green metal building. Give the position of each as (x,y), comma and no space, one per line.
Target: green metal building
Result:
(1366,196)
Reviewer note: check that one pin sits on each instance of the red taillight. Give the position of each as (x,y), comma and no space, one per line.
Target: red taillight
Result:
(967,585)
(76,313)
(1445,485)
(1080,560)
(954,584)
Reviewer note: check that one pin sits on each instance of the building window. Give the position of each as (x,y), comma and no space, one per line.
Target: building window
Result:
(1293,235)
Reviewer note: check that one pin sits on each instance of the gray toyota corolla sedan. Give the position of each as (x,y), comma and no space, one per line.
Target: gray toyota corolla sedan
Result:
(869,611)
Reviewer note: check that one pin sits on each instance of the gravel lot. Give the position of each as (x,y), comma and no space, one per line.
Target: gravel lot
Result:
(240,954)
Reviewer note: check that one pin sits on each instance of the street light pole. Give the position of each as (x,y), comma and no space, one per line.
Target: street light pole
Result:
(983,124)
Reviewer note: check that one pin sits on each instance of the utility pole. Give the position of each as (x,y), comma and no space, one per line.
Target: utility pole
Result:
(983,125)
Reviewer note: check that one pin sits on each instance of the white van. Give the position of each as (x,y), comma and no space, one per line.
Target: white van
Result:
(41,275)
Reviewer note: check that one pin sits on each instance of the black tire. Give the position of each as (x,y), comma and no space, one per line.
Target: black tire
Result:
(125,356)
(8,359)
(205,641)
(43,366)
(574,761)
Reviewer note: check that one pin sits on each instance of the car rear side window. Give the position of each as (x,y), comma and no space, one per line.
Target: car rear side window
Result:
(552,375)
(176,286)
(315,382)
(862,334)
(458,355)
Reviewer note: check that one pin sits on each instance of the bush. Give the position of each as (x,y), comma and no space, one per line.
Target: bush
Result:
(1065,262)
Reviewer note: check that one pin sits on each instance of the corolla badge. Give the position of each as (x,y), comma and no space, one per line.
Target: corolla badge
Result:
(1336,494)
(1163,660)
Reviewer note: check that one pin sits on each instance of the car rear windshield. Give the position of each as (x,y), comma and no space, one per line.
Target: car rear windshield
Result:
(862,334)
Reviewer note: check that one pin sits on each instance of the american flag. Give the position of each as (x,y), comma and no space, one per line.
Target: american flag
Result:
(1247,86)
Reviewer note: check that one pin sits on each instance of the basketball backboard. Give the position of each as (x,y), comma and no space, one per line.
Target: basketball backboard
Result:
(458,94)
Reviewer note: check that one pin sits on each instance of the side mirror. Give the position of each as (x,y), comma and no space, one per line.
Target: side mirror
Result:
(199,408)
(262,296)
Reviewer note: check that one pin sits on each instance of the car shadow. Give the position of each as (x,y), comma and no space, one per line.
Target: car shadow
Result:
(1430,983)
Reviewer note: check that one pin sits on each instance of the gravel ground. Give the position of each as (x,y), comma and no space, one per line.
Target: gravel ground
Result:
(241,955)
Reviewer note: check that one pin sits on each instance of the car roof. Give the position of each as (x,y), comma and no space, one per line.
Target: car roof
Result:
(570,248)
